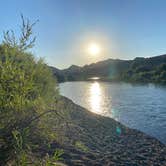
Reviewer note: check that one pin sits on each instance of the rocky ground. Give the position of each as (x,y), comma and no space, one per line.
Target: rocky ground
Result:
(91,139)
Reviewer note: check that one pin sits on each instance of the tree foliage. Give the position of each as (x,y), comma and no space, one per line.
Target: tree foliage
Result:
(27,92)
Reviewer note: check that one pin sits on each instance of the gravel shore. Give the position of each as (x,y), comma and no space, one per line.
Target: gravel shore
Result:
(92,139)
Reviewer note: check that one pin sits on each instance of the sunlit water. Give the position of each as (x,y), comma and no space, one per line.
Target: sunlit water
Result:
(141,107)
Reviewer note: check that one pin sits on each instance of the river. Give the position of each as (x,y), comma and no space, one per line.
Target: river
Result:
(137,106)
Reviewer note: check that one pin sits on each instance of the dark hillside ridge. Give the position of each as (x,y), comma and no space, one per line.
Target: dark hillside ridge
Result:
(140,69)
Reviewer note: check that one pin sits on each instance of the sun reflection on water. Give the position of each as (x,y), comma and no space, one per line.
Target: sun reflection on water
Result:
(95,98)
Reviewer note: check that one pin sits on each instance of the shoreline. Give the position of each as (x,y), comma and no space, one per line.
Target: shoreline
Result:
(106,141)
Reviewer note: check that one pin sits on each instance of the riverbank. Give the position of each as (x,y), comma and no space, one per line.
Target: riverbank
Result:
(90,139)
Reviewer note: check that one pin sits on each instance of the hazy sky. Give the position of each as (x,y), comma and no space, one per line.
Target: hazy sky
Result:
(124,29)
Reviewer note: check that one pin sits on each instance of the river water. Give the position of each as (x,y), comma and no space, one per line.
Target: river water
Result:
(138,106)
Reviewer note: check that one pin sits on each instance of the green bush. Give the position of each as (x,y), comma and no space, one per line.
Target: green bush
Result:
(28,91)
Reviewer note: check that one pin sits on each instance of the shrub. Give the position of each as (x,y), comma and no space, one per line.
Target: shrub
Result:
(27,92)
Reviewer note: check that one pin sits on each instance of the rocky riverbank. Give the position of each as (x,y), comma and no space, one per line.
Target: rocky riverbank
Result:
(90,139)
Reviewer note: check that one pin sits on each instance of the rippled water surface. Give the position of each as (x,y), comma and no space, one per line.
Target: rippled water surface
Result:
(141,107)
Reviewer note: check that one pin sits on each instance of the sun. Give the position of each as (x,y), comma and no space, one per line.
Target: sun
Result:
(94,49)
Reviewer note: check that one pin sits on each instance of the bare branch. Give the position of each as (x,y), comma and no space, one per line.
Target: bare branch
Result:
(30,121)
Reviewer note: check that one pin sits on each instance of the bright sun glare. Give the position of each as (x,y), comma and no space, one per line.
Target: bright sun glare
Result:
(95,97)
(94,49)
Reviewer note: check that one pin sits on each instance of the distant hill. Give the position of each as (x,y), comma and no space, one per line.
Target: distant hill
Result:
(151,69)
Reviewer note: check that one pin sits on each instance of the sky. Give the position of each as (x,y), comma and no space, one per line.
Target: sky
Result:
(124,29)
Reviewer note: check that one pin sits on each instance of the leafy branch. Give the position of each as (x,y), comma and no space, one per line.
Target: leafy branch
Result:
(26,40)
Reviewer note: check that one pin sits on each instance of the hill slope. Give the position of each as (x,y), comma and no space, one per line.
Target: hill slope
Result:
(151,69)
